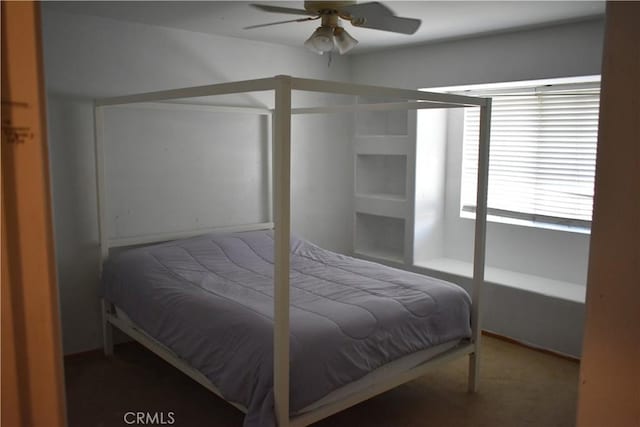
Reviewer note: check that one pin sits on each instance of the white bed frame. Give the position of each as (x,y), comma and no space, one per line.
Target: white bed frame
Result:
(282,87)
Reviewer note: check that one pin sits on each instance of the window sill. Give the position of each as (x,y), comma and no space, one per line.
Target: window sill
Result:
(530,224)
(541,285)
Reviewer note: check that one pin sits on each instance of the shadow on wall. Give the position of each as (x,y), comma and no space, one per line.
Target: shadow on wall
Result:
(198,65)
(71,153)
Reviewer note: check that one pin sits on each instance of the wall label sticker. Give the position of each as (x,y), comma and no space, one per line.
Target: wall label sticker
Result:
(13,133)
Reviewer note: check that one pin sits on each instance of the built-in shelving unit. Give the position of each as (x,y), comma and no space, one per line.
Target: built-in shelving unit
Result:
(384,162)
(399,207)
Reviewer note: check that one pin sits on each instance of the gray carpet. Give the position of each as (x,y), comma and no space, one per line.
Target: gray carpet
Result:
(519,387)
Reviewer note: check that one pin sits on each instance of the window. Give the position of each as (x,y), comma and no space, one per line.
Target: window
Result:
(542,156)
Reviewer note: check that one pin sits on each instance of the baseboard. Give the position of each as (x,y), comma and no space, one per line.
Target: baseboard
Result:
(529,346)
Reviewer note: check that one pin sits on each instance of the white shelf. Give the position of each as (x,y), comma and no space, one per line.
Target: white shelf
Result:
(382,196)
(384,207)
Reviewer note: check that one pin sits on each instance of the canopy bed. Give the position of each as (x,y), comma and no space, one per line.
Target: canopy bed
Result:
(285,331)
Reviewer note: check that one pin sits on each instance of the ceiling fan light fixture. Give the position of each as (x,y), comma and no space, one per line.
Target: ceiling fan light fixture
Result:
(321,40)
(343,40)
(330,35)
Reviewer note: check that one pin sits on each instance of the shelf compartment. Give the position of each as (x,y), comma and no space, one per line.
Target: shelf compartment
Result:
(381,174)
(380,236)
(382,197)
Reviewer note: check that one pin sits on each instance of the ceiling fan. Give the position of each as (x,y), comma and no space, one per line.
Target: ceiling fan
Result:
(330,34)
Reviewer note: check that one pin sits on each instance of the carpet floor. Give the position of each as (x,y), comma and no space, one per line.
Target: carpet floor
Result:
(519,387)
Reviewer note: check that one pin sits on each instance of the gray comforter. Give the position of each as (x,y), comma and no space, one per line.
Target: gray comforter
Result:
(210,300)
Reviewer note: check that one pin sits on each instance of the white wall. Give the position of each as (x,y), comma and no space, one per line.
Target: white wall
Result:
(88,57)
(557,51)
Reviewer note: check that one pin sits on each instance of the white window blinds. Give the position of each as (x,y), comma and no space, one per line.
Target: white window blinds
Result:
(542,155)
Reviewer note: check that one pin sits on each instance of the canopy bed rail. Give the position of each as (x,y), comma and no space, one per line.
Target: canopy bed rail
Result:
(282,87)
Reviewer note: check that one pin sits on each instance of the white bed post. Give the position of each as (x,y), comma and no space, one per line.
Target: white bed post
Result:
(479,243)
(107,328)
(282,208)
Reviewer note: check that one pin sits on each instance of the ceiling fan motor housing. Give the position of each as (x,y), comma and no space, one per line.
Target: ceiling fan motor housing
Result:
(320,6)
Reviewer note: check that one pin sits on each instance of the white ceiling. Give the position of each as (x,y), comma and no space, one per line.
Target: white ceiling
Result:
(440,19)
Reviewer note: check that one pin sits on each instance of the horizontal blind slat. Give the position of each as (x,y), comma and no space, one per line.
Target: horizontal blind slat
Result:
(543,152)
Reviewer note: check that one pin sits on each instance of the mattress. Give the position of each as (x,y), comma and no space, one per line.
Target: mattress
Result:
(209,300)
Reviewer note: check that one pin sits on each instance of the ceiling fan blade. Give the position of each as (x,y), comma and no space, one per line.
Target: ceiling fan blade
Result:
(370,8)
(278,9)
(250,27)
(377,16)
